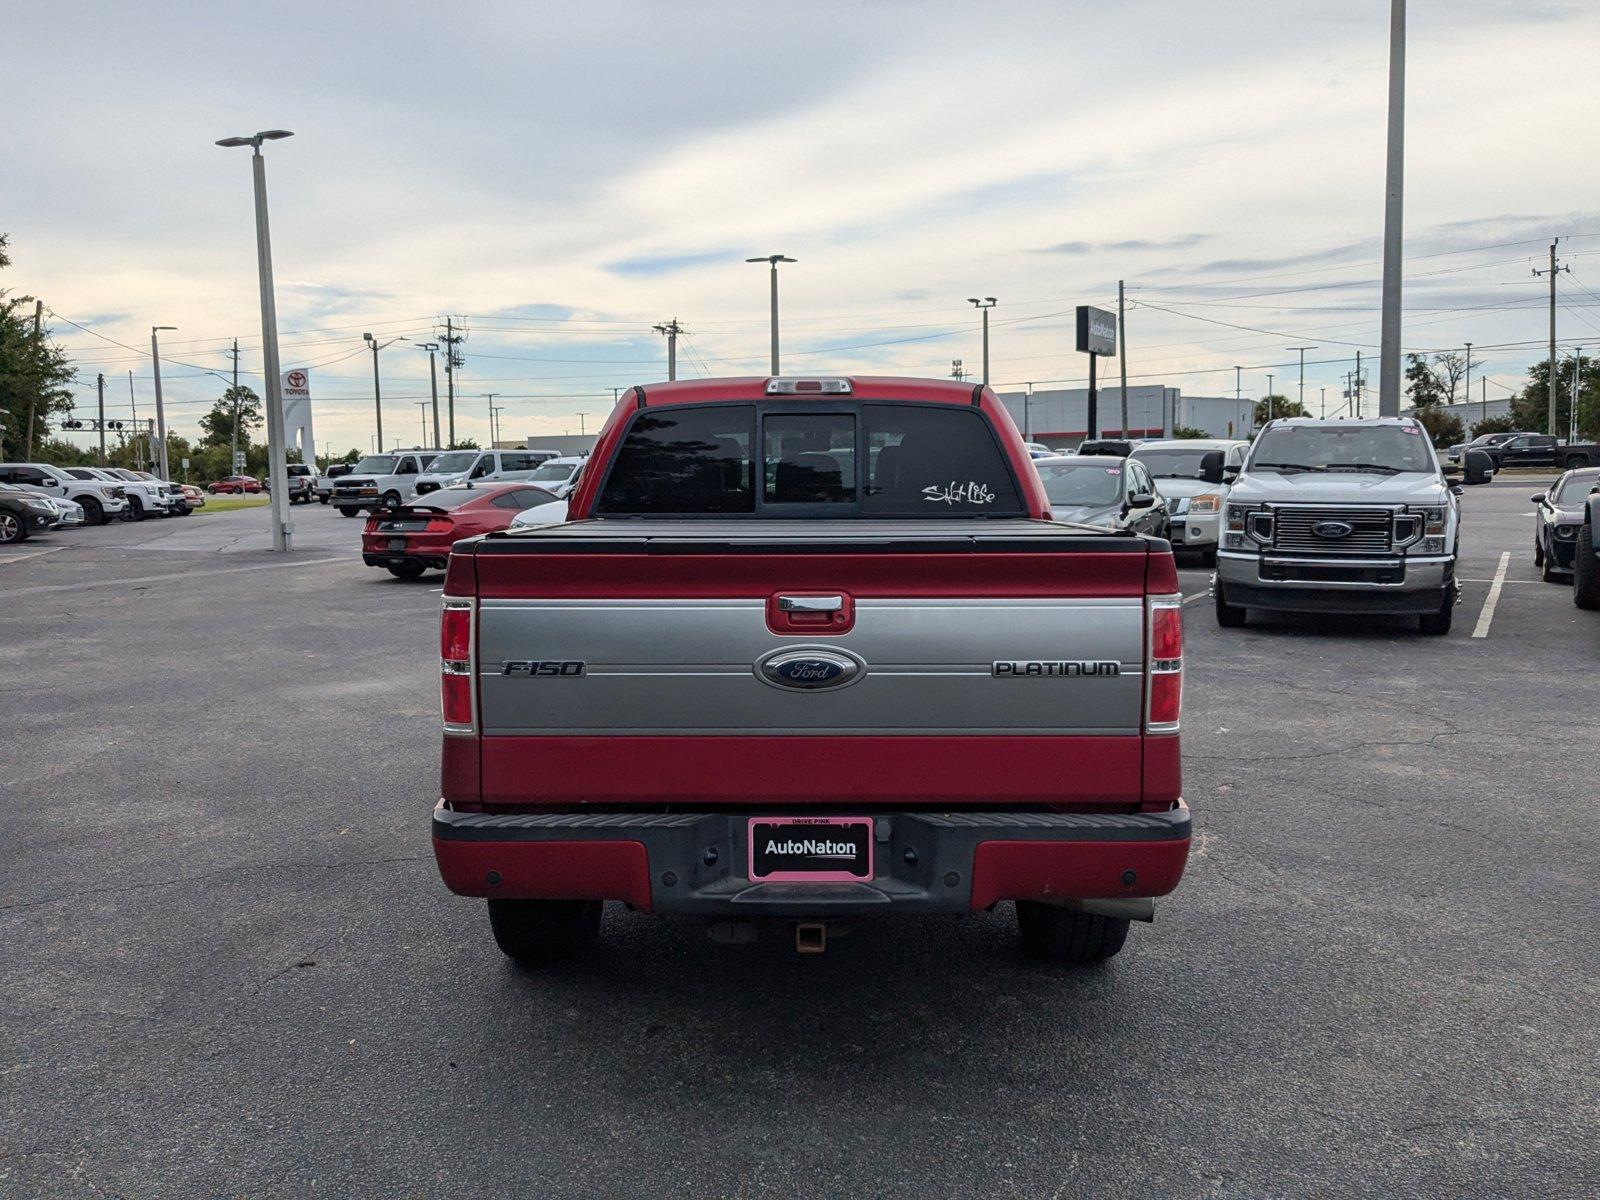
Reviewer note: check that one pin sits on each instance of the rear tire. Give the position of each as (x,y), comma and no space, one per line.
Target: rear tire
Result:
(93,513)
(1585,571)
(540,931)
(1229,616)
(1065,935)
(391,499)
(407,571)
(12,528)
(351,512)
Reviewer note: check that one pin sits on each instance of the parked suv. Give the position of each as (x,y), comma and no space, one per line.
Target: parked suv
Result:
(559,475)
(1341,516)
(23,512)
(100,499)
(479,466)
(1190,473)
(381,481)
(166,498)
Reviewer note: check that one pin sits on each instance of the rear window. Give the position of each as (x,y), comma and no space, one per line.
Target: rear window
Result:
(881,459)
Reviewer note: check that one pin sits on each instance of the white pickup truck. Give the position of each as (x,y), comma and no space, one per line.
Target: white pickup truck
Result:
(100,499)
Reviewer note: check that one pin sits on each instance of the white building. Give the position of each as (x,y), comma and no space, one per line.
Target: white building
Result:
(1062,415)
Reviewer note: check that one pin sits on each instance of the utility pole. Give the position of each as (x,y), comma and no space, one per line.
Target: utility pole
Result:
(957,371)
(1122,356)
(774,259)
(233,448)
(1359,382)
(452,361)
(489,396)
(1269,395)
(38,375)
(984,306)
(1302,350)
(672,329)
(100,387)
(422,412)
(133,403)
(1466,391)
(1027,414)
(161,416)
(1324,404)
(1550,420)
(1394,194)
(433,381)
(1572,406)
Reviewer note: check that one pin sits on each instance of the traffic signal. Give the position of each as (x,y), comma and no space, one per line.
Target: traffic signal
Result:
(72,424)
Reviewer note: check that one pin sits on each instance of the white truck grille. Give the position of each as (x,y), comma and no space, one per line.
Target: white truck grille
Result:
(1307,530)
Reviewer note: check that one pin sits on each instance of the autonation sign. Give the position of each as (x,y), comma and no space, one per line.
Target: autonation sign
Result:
(1097,331)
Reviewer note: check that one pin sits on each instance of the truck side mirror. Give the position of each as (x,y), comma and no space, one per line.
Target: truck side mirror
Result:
(1211,466)
(1229,474)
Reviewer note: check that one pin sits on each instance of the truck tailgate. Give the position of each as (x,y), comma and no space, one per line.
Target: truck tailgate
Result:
(994,662)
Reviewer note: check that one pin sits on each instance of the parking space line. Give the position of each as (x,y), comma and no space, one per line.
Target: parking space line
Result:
(10,558)
(1487,615)
(1197,596)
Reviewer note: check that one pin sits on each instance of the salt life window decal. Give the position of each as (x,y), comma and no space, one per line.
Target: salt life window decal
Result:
(953,492)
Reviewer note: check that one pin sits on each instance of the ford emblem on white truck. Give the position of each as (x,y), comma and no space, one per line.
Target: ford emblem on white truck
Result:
(809,670)
(1333,530)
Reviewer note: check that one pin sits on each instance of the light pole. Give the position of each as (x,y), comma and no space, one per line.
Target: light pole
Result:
(1394,194)
(774,259)
(1572,401)
(1466,394)
(489,396)
(1302,350)
(161,416)
(277,473)
(1269,395)
(433,381)
(377,391)
(1027,414)
(422,414)
(984,306)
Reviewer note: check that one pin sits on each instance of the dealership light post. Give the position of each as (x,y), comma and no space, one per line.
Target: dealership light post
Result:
(377,391)
(774,259)
(1394,193)
(433,382)
(277,472)
(161,416)
(984,306)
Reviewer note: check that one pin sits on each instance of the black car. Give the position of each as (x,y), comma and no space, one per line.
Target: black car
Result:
(1104,491)
(23,512)
(1586,555)
(1560,520)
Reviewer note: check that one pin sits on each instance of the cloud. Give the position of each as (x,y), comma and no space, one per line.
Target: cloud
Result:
(1129,244)
(668,264)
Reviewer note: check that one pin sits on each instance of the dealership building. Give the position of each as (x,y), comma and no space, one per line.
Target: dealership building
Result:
(1153,412)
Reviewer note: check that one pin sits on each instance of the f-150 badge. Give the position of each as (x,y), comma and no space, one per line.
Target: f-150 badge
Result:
(544,668)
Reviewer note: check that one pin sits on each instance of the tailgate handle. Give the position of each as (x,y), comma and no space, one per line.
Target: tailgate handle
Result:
(810,604)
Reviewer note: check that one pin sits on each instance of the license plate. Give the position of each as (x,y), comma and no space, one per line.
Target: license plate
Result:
(810,849)
(397,545)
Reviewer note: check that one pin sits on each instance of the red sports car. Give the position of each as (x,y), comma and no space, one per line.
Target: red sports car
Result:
(236,485)
(417,537)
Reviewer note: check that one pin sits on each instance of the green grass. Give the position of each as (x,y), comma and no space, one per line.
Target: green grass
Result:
(220,504)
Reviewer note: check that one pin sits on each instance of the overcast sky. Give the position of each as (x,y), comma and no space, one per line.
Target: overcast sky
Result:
(564,176)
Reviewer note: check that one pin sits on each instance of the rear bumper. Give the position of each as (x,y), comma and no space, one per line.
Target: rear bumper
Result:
(696,862)
(436,562)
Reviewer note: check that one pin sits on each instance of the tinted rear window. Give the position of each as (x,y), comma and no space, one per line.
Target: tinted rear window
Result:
(879,459)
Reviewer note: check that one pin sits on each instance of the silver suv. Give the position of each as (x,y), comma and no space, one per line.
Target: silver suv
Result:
(1341,516)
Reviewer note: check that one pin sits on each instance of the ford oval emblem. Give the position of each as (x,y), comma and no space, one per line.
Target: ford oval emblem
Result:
(809,670)
(1333,530)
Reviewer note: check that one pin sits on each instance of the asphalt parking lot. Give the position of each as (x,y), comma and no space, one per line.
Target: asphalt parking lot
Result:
(230,968)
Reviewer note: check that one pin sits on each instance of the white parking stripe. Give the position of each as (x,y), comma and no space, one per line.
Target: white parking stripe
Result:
(1196,596)
(5,558)
(1487,615)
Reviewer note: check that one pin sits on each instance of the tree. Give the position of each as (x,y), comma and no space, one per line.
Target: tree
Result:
(217,425)
(34,374)
(1188,431)
(465,444)
(1434,380)
(1444,428)
(1278,406)
(1494,425)
(1530,408)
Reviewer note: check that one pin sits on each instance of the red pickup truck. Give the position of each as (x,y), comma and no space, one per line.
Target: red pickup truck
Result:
(808,650)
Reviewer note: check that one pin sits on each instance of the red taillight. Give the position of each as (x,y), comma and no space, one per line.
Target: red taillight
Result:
(455,632)
(439,525)
(1164,664)
(455,666)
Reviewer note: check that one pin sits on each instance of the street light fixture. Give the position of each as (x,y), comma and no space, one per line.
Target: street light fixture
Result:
(774,260)
(277,471)
(984,306)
